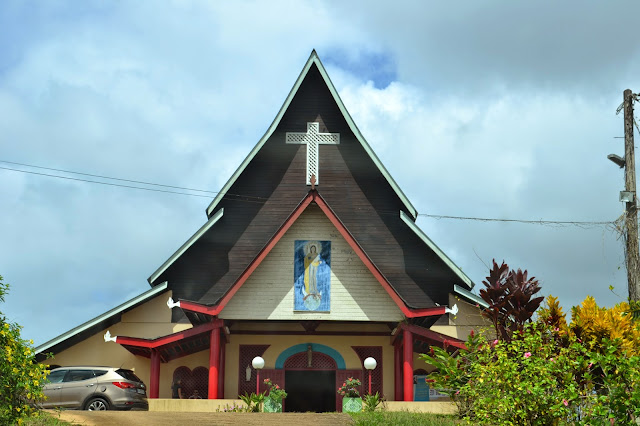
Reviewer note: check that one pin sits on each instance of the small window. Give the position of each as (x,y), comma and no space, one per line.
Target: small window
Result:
(56,376)
(78,375)
(99,373)
(128,374)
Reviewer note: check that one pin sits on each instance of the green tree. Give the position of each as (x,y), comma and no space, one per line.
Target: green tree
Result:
(21,377)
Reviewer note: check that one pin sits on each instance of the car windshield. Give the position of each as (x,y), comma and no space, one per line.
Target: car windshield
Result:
(129,375)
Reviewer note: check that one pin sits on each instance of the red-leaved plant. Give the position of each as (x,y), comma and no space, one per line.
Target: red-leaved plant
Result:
(509,294)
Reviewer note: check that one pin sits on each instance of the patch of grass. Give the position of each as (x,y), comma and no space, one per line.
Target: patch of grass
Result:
(403,418)
(42,418)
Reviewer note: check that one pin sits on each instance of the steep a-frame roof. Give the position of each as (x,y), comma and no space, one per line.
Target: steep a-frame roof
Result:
(267,187)
(314,60)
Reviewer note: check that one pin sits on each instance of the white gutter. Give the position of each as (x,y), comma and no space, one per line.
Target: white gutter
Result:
(470,296)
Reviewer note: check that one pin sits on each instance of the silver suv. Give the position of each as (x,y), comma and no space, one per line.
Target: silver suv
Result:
(94,388)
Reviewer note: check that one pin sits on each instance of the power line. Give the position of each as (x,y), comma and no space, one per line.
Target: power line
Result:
(249,198)
(107,177)
(533,222)
(104,183)
(261,200)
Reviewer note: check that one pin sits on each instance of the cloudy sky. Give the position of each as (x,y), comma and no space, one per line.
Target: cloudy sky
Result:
(478,109)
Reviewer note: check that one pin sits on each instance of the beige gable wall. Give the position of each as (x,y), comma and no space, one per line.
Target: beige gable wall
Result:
(355,294)
(149,320)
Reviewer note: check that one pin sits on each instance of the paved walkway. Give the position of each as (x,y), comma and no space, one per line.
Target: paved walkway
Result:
(153,418)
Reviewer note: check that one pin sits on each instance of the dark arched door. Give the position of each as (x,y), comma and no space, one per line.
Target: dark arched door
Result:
(310,380)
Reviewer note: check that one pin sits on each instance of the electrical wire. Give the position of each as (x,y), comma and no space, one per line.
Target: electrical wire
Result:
(262,200)
(528,221)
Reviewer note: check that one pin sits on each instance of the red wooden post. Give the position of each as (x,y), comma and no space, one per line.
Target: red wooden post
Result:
(154,381)
(221,372)
(369,382)
(397,371)
(407,365)
(257,381)
(214,363)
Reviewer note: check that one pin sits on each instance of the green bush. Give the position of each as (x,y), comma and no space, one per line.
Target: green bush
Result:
(543,375)
(21,377)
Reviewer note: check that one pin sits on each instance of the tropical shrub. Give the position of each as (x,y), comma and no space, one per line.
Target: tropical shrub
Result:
(520,381)
(372,402)
(254,401)
(21,377)
(585,372)
(509,294)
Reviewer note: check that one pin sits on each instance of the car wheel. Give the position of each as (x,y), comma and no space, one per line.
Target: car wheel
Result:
(98,404)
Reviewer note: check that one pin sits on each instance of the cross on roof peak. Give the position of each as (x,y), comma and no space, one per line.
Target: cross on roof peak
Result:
(312,138)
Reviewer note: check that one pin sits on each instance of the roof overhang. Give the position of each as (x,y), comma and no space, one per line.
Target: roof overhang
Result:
(412,225)
(470,297)
(314,60)
(171,346)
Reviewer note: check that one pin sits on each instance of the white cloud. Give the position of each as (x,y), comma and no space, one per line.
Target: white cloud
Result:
(491,115)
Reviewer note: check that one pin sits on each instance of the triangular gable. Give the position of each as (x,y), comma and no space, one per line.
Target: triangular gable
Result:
(313,196)
(314,60)
(272,292)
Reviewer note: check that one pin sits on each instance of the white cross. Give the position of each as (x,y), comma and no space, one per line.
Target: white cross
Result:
(312,138)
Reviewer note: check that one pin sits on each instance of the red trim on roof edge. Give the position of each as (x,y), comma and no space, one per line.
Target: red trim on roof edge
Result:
(171,338)
(313,196)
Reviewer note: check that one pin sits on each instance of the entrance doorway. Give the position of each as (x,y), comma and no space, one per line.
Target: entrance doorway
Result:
(310,390)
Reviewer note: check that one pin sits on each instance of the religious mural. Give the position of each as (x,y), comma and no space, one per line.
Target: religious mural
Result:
(312,275)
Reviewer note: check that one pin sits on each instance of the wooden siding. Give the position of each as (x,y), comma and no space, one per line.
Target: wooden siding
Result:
(355,294)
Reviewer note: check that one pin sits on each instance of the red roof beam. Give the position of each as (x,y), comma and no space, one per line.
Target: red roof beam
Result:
(171,338)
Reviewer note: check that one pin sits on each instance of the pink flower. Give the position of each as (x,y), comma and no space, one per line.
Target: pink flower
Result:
(590,365)
(457,392)
(495,342)
(527,354)
(551,360)
(556,329)
(565,402)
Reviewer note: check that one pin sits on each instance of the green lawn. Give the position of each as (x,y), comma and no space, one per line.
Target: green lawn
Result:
(403,418)
(44,419)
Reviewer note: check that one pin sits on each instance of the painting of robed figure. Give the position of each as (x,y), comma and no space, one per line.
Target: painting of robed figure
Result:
(312,275)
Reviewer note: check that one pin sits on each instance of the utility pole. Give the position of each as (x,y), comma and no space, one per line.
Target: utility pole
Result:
(630,231)
(631,217)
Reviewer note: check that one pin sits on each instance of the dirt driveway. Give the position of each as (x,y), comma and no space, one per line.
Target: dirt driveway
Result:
(155,418)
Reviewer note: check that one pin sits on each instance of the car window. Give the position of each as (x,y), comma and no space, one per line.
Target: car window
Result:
(99,373)
(56,376)
(128,374)
(78,375)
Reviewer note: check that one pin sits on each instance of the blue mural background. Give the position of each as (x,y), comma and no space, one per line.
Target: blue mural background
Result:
(323,276)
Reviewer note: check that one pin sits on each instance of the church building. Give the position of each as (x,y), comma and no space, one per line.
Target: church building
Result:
(310,258)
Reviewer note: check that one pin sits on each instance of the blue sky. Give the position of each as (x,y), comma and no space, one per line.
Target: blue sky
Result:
(492,109)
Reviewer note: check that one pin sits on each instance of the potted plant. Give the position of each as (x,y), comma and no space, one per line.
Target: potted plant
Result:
(351,401)
(273,402)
